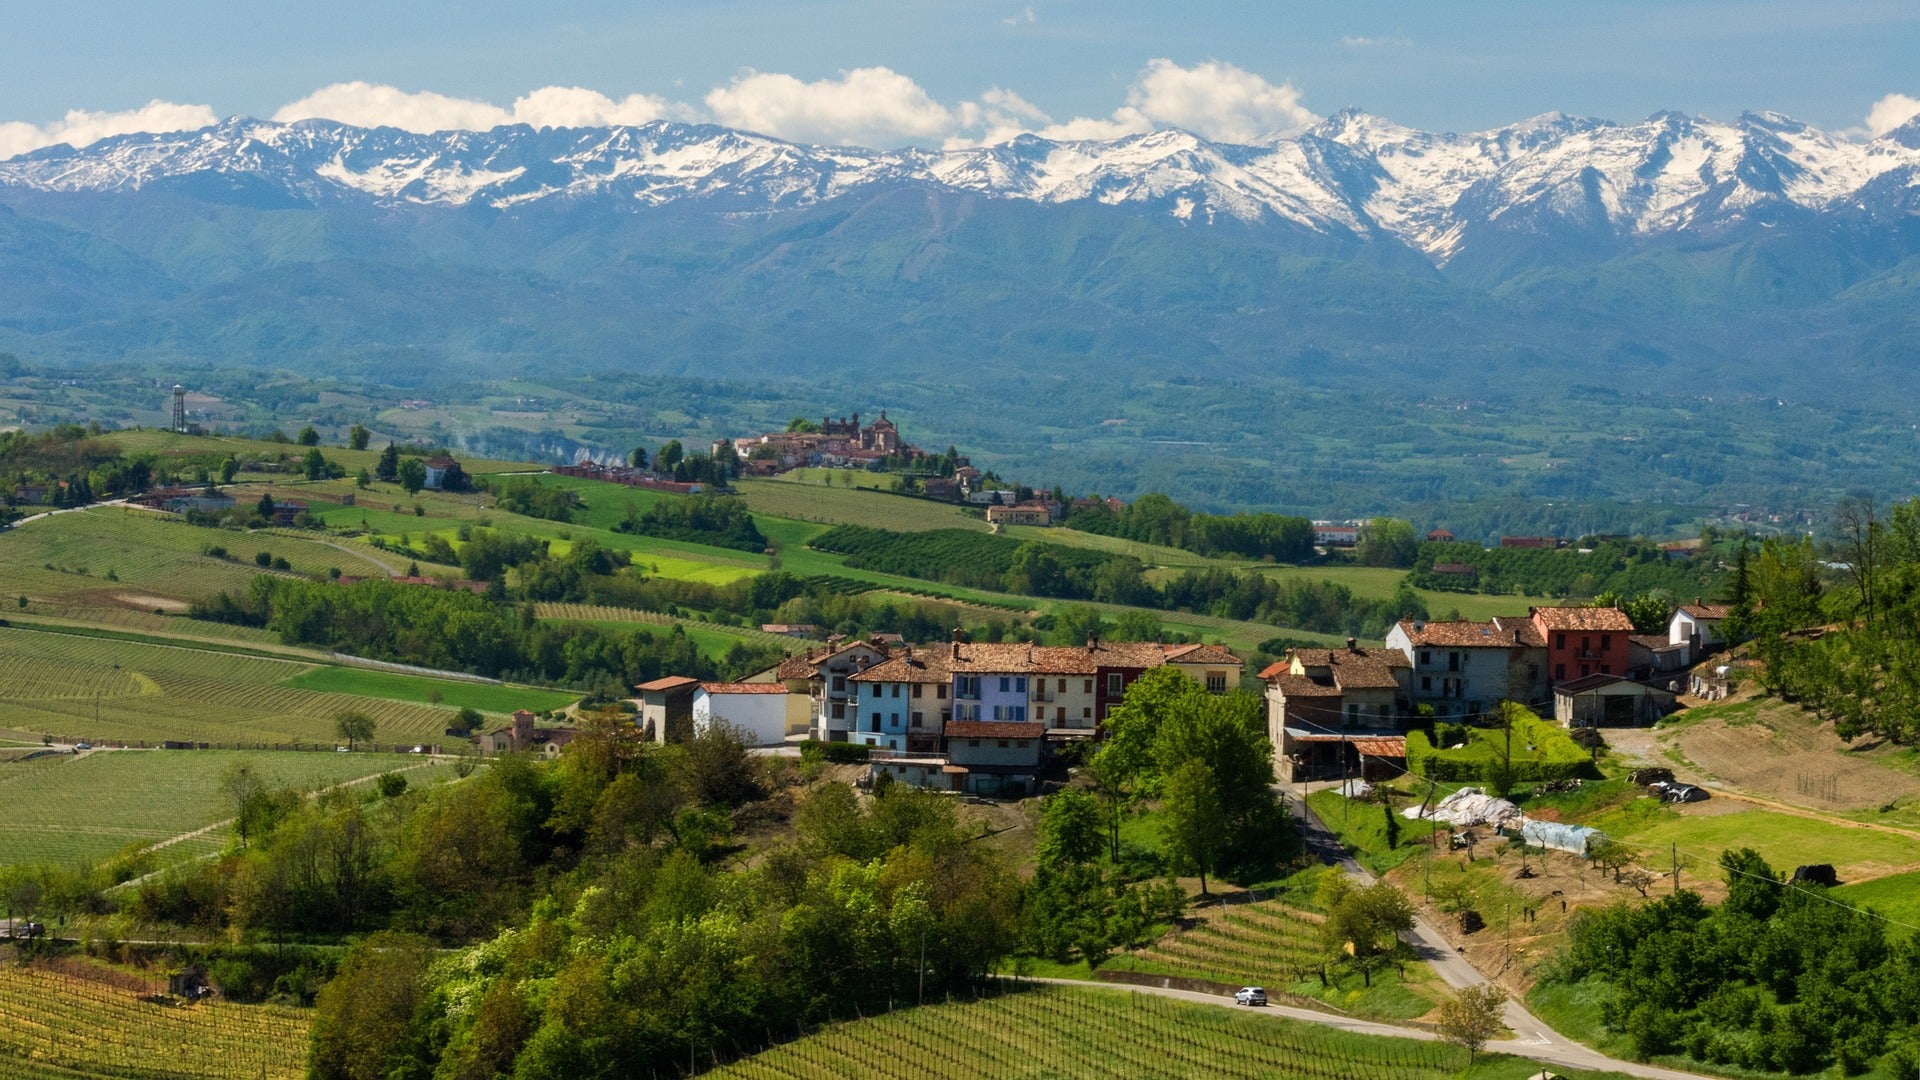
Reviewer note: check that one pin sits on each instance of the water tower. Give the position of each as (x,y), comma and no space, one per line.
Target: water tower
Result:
(179,409)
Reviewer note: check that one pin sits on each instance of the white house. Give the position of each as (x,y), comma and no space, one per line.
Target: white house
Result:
(760,710)
(1465,668)
(1697,626)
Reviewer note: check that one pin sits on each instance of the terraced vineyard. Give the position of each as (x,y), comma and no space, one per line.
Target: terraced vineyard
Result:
(65,809)
(801,501)
(1267,943)
(116,557)
(1060,1031)
(101,688)
(601,613)
(54,1025)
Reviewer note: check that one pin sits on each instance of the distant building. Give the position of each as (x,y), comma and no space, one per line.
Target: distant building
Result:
(1336,533)
(1440,536)
(666,708)
(796,630)
(438,471)
(1698,626)
(1023,514)
(763,711)
(1530,542)
(521,734)
(1583,641)
(1466,668)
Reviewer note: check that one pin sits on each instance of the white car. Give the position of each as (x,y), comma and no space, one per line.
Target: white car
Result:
(83,746)
(1250,995)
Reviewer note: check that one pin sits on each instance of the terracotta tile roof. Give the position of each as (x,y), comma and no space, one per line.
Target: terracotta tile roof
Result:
(1357,668)
(1707,611)
(1064,660)
(1200,654)
(1273,670)
(924,666)
(670,682)
(1128,654)
(1388,746)
(797,667)
(993,729)
(1652,641)
(1493,634)
(1301,686)
(743,688)
(1583,618)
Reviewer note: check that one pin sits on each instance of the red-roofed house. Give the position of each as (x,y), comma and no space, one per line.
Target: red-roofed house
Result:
(1465,668)
(666,708)
(1319,701)
(1583,641)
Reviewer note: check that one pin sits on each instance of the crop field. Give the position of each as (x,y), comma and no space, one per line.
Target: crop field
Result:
(168,444)
(452,693)
(139,559)
(1061,1031)
(1274,945)
(146,623)
(812,502)
(102,688)
(599,613)
(92,805)
(55,1026)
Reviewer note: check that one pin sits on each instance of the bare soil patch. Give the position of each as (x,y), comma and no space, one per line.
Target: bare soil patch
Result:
(1782,752)
(146,602)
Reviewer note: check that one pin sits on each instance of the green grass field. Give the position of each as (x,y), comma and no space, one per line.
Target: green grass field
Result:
(65,809)
(1784,840)
(452,693)
(102,688)
(61,1027)
(803,500)
(1896,896)
(1091,1032)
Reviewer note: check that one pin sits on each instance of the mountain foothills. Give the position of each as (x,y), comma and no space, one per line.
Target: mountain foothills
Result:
(1738,296)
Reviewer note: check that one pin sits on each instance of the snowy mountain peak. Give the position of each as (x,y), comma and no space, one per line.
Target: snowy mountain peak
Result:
(1353,175)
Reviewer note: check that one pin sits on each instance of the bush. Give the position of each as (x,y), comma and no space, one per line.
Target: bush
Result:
(1557,756)
(838,753)
(391,784)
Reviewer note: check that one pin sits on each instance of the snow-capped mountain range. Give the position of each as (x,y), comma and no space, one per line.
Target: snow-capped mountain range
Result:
(1352,176)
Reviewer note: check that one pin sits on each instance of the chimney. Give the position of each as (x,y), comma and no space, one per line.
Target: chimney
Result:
(1696,601)
(1516,635)
(1093,642)
(1353,645)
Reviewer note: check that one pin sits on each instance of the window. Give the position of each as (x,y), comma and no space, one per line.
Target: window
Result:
(1006,684)
(1216,682)
(876,721)
(1606,642)
(1425,658)
(839,684)
(893,721)
(1586,644)
(1060,714)
(896,689)
(1089,688)
(1559,672)
(1353,715)
(1426,682)
(1086,713)
(967,686)
(1453,661)
(1063,686)
(1116,682)
(1559,641)
(918,721)
(1003,744)
(940,691)
(1020,685)
(876,690)
(916,689)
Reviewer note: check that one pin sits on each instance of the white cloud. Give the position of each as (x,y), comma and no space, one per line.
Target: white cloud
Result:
(374,105)
(873,106)
(1026,17)
(81,128)
(1217,101)
(1361,41)
(1889,113)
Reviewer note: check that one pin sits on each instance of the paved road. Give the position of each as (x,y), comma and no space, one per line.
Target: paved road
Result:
(1532,1038)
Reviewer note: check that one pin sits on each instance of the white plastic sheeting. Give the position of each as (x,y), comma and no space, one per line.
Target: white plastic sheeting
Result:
(1560,836)
(1469,806)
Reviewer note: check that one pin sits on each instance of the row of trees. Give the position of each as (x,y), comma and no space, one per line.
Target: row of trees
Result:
(1155,519)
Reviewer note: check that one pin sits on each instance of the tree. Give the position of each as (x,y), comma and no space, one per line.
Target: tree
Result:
(1371,920)
(670,456)
(265,507)
(388,467)
(638,459)
(315,464)
(413,475)
(1473,1018)
(357,436)
(364,480)
(309,437)
(229,469)
(1194,824)
(1387,542)
(466,721)
(361,1018)
(353,726)
(1070,828)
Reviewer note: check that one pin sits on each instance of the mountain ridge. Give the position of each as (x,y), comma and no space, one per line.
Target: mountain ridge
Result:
(1352,177)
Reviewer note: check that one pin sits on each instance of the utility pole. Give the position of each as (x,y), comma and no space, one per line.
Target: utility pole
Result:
(923,964)
(1674,850)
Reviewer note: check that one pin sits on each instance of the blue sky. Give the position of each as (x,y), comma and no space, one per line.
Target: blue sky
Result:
(1456,65)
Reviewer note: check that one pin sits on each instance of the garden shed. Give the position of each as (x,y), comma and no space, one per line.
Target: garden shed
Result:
(1610,701)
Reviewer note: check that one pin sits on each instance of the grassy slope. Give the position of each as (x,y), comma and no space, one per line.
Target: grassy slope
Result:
(64,809)
(453,693)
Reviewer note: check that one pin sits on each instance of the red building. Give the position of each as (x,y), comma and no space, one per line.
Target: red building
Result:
(1583,641)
